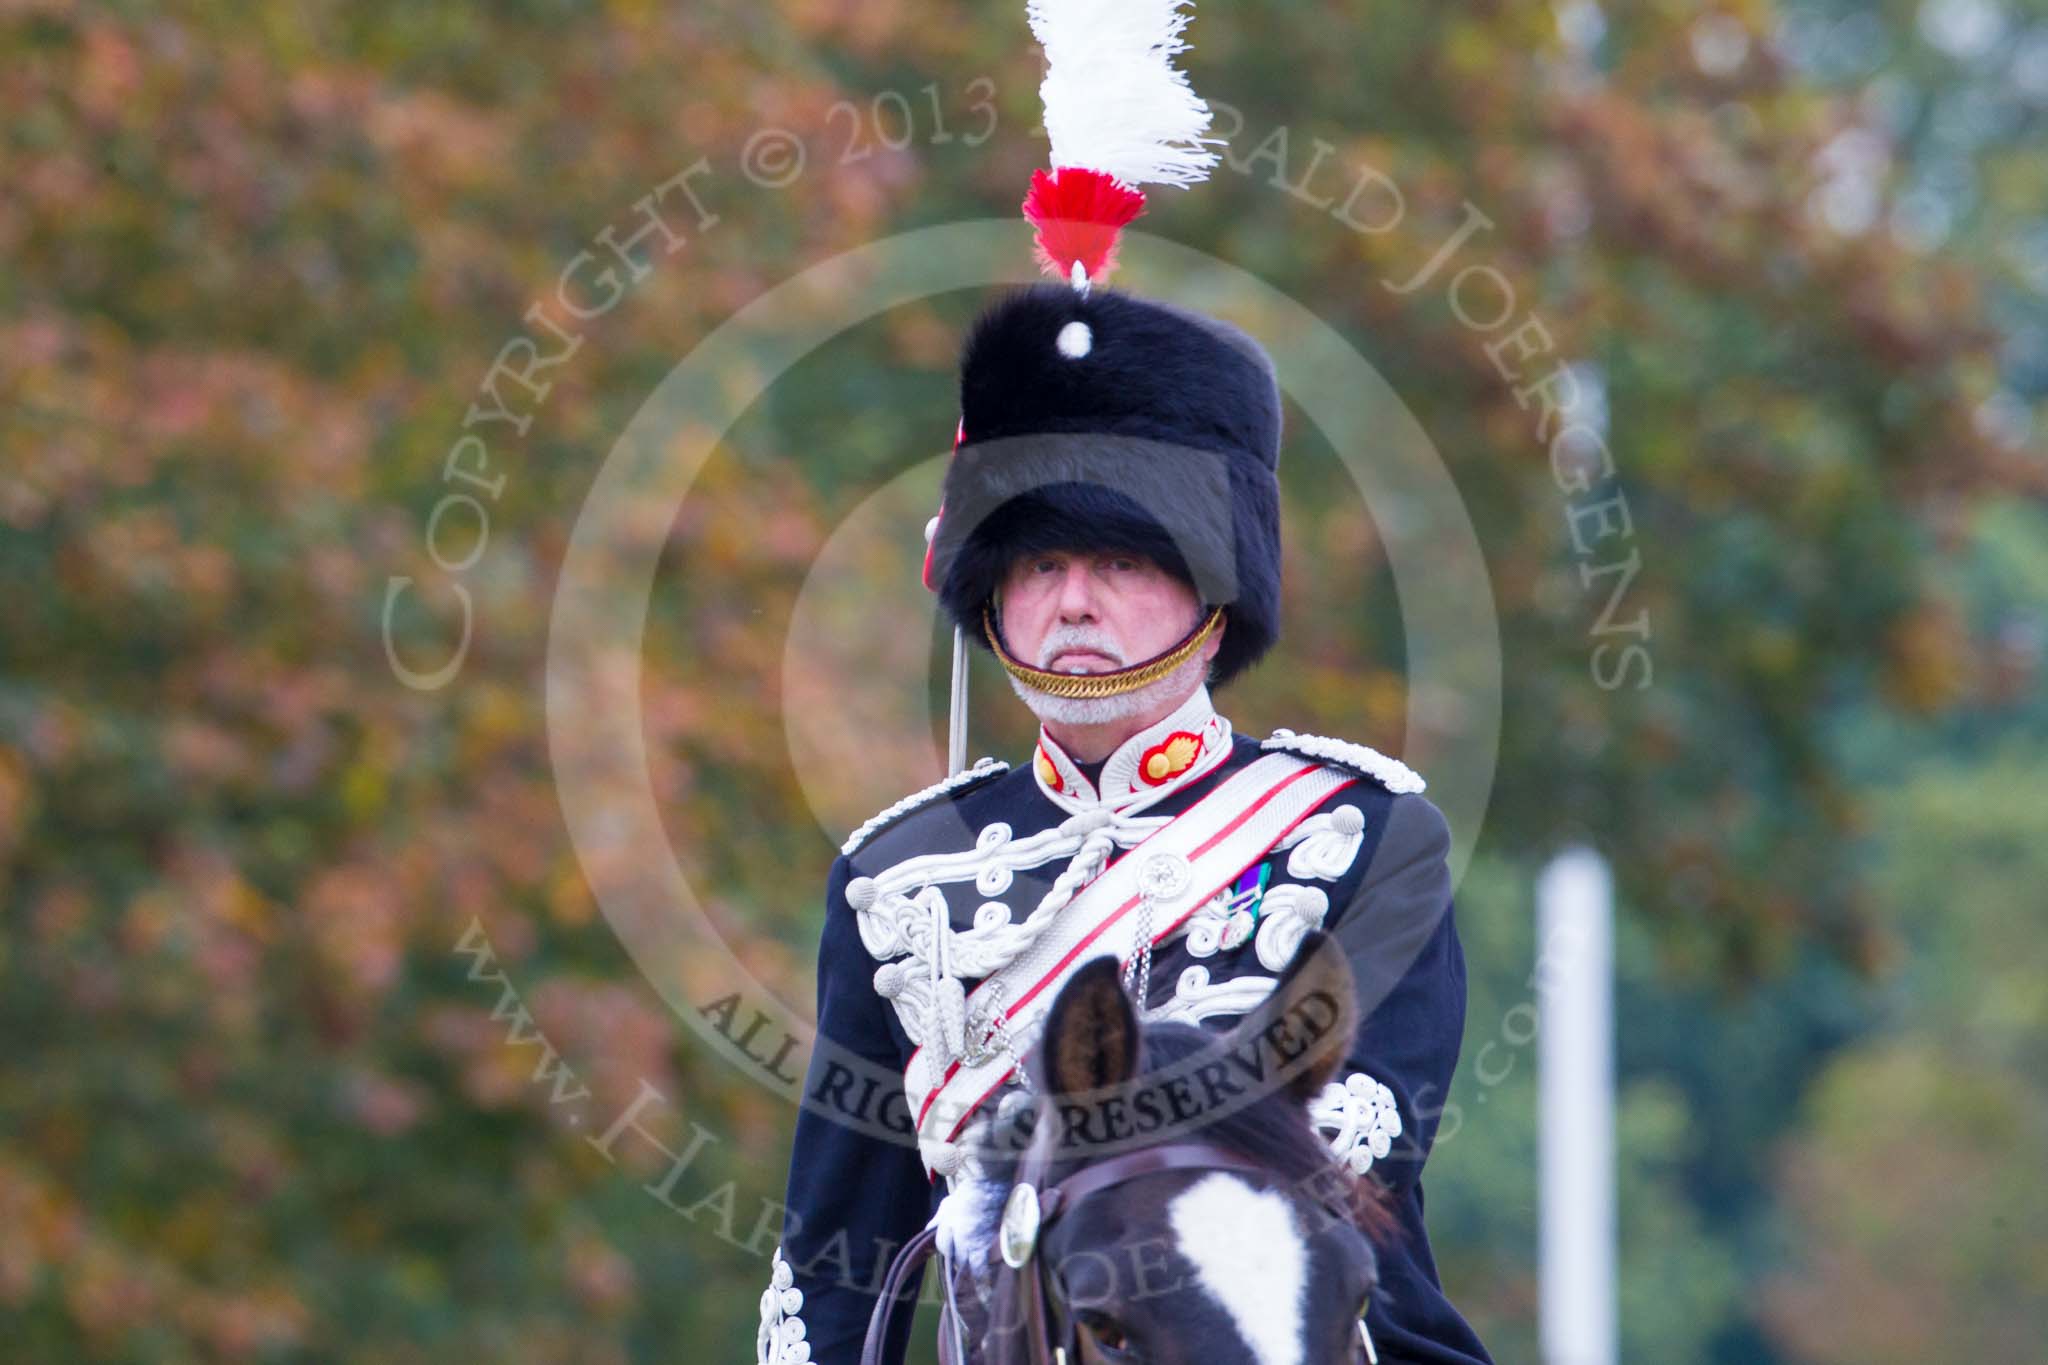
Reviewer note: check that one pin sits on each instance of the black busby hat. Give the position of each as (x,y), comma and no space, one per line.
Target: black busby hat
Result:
(1105,421)
(1094,419)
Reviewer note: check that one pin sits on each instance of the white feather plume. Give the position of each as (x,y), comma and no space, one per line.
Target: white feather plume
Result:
(1113,101)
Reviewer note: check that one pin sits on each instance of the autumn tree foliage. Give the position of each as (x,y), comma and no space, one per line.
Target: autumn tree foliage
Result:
(296,953)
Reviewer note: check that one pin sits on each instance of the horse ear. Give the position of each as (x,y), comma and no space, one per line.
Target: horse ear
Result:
(1091,1032)
(1313,1008)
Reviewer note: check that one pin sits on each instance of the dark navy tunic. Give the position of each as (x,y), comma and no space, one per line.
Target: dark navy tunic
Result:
(1376,879)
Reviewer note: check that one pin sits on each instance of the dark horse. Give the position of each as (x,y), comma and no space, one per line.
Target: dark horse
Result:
(1164,1197)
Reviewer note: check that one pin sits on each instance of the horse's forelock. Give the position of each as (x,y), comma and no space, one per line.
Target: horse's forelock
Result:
(1272,1130)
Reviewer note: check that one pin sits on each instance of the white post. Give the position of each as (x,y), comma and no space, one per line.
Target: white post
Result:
(1579,1319)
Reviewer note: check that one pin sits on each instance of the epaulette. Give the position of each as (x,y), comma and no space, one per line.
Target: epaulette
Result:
(981,772)
(1391,773)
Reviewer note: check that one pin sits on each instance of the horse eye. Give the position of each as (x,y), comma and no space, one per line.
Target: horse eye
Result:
(1108,1334)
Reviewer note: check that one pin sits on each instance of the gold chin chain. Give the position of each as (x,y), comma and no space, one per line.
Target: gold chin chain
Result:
(1092,685)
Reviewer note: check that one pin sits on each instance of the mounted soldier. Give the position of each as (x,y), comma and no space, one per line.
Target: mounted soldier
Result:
(1110,533)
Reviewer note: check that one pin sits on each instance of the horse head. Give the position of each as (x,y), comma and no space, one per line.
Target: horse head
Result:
(1164,1198)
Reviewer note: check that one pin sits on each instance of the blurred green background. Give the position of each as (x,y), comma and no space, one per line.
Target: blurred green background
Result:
(256,263)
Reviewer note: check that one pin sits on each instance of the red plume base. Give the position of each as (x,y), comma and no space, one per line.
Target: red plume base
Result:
(1077,214)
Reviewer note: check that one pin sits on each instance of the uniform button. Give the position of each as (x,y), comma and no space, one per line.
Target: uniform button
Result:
(1164,876)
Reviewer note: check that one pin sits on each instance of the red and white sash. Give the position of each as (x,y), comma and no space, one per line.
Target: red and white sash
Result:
(1213,841)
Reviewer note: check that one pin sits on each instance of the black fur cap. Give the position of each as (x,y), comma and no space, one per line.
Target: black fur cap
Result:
(1160,435)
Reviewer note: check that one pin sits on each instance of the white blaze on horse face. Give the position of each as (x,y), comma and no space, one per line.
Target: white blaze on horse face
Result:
(1249,1255)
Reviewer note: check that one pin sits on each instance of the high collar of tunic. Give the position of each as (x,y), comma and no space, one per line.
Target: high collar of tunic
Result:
(1165,756)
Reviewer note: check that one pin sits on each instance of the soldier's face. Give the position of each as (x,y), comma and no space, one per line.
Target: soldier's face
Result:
(1091,612)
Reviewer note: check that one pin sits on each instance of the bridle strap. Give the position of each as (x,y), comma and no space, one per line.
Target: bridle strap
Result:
(1172,1156)
(1066,1195)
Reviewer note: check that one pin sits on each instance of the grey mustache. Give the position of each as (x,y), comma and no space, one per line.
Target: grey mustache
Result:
(1060,641)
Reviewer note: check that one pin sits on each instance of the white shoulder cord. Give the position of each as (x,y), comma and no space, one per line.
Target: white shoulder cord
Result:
(981,952)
